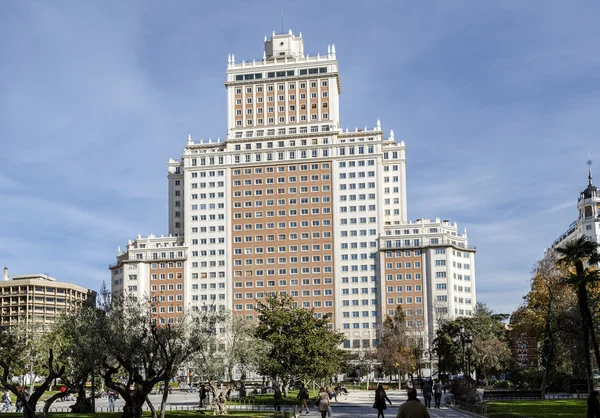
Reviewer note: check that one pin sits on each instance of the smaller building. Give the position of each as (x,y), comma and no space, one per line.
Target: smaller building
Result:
(524,349)
(38,298)
(154,267)
(429,269)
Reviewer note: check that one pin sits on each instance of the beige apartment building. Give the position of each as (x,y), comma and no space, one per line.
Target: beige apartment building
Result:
(38,298)
(153,267)
(289,202)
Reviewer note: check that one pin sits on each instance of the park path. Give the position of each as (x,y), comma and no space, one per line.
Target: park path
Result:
(357,404)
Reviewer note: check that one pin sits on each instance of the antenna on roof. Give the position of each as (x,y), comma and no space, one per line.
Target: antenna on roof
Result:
(589,163)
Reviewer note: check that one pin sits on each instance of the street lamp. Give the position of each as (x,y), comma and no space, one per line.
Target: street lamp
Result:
(469,344)
(466,342)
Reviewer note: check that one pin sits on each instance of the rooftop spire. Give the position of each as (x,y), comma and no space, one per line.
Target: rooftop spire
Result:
(589,163)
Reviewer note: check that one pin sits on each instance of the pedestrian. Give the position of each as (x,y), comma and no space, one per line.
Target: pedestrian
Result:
(303,396)
(19,405)
(323,402)
(437,393)
(593,405)
(277,397)
(427,392)
(111,401)
(202,395)
(380,398)
(332,394)
(412,408)
(6,401)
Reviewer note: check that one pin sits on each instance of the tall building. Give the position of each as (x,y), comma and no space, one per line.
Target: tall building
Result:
(38,298)
(291,203)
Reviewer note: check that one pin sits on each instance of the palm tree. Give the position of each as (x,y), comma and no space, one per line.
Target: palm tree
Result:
(581,258)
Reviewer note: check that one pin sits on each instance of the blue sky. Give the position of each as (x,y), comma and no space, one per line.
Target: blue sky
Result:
(498,103)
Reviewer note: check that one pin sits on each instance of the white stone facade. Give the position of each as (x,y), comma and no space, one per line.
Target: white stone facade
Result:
(289,202)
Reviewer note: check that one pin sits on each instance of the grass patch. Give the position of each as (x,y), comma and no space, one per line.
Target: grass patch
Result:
(551,408)
(170,414)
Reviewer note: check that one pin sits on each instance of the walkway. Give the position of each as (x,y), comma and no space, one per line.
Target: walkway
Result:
(358,404)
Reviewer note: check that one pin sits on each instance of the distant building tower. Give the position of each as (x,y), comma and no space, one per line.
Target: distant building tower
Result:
(588,221)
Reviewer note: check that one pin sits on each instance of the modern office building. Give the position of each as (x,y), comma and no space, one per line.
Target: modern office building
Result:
(290,203)
(38,298)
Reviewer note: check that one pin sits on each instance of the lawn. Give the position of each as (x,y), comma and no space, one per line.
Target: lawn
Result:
(563,408)
(169,414)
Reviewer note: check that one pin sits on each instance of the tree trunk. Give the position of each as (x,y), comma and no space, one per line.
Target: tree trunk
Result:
(588,326)
(219,403)
(548,360)
(163,401)
(49,402)
(29,410)
(151,407)
(83,404)
(592,332)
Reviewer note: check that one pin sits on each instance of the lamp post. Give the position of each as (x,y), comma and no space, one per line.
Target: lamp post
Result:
(466,342)
(469,344)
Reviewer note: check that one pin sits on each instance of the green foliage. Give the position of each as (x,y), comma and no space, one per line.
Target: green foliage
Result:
(489,353)
(300,345)
(580,256)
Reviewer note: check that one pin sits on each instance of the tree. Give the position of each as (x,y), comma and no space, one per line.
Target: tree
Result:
(490,355)
(546,318)
(243,350)
(581,257)
(145,352)
(79,350)
(210,364)
(300,345)
(394,351)
(15,347)
(365,360)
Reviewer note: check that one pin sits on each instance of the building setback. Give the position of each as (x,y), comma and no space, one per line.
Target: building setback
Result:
(290,203)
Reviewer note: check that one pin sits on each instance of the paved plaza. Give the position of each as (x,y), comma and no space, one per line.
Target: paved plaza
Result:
(357,404)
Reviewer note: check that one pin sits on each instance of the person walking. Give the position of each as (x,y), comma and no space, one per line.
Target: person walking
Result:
(412,408)
(593,405)
(380,398)
(303,396)
(6,401)
(19,405)
(202,395)
(277,397)
(111,400)
(427,392)
(323,402)
(437,393)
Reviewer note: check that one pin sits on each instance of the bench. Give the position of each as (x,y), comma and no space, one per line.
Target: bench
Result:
(498,395)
